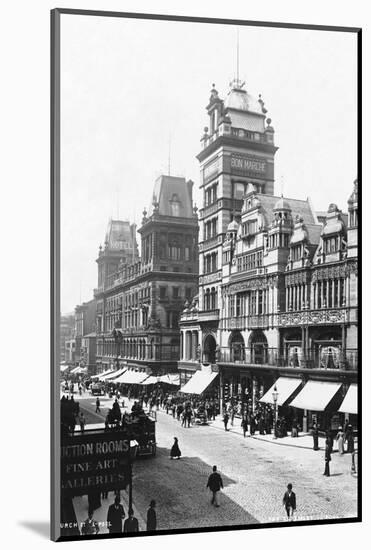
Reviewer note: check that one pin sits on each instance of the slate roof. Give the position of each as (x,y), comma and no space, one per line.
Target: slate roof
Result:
(169,191)
(298,207)
(118,233)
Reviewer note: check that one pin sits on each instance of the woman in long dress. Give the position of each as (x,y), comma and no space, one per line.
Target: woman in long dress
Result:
(340,441)
(175,451)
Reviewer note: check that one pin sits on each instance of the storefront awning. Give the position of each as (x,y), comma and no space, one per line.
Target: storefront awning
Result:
(131,377)
(76,370)
(350,403)
(63,368)
(171,379)
(101,375)
(149,380)
(199,382)
(112,377)
(315,396)
(285,388)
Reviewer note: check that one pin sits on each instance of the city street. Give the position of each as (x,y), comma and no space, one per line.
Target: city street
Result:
(255,473)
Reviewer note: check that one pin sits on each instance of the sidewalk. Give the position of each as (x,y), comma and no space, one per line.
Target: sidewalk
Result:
(80,505)
(304,440)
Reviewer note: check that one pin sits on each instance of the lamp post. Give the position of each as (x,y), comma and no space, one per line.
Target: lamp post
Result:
(132,454)
(275,398)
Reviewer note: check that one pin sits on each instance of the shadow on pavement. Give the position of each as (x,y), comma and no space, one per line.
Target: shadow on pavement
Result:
(182,499)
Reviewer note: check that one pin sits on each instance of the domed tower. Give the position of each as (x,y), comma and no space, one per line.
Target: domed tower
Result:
(353,222)
(237,153)
(281,227)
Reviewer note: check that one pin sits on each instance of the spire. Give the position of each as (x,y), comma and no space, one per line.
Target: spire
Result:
(236,83)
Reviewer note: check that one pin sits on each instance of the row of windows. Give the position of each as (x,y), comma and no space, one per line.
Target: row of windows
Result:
(250,261)
(279,240)
(326,294)
(210,262)
(211,194)
(249,228)
(253,302)
(175,293)
(210,299)
(210,229)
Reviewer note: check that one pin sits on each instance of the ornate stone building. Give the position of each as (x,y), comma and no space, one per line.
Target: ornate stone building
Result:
(278,284)
(139,302)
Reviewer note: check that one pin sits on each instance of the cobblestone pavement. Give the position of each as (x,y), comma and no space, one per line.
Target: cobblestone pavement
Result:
(255,473)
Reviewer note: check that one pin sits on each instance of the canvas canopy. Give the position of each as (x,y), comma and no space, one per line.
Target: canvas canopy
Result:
(199,382)
(285,389)
(316,395)
(350,403)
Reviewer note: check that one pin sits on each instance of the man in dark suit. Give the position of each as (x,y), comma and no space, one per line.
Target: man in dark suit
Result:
(115,516)
(327,458)
(151,517)
(289,501)
(131,524)
(215,483)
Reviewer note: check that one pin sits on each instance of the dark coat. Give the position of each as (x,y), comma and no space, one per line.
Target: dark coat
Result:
(289,500)
(131,525)
(115,516)
(215,482)
(151,519)
(175,451)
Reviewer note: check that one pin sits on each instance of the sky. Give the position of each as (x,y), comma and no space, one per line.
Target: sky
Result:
(134,90)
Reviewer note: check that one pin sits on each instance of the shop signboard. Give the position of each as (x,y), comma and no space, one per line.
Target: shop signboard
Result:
(97,460)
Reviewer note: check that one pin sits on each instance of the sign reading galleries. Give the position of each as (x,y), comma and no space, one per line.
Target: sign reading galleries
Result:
(95,461)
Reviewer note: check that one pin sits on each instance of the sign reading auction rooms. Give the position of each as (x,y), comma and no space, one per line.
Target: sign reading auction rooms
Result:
(95,461)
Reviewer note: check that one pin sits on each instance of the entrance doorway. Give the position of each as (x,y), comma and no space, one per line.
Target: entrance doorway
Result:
(209,349)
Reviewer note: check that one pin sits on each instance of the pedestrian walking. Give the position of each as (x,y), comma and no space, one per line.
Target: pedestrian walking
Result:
(289,501)
(340,440)
(327,459)
(252,425)
(82,421)
(131,524)
(175,451)
(184,419)
(151,516)
(97,405)
(244,425)
(115,516)
(350,439)
(225,420)
(215,483)
(315,437)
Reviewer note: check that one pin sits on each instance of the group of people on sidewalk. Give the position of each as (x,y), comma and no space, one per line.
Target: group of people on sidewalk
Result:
(115,519)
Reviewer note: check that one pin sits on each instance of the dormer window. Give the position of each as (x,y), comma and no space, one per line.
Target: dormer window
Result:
(331,245)
(296,252)
(175,205)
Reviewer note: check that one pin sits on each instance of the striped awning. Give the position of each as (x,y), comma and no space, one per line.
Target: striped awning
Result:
(285,389)
(112,377)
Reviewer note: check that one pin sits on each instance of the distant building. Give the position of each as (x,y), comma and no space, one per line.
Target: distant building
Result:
(88,352)
(67,326)
(139,300)
(85,316)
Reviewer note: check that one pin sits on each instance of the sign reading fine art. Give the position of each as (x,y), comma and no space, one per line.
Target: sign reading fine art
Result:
(96,461)
(247,165)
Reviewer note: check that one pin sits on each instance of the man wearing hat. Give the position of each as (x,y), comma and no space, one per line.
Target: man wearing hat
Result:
(115,516)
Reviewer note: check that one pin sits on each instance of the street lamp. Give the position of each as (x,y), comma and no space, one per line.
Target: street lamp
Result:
(275,398)
(132,454)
